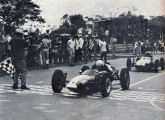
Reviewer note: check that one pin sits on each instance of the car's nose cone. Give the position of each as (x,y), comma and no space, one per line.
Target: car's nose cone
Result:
(74,82)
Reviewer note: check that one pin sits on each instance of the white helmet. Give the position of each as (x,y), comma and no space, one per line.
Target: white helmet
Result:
(99,63)
(26,33)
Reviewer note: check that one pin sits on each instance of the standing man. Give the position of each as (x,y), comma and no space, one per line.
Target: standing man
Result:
(85,49)
(103,48)
(2,45)
(81,43)
(27,48)
(77,46)
(91,45)
(45,46)
(71,50)
(18,45)
(113,40)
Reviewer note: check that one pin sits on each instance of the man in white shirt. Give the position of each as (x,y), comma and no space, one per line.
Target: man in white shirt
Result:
(81,43)
(103,47)
(45,46)
(71,50)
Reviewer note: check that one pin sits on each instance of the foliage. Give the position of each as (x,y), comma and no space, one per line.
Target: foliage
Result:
(17,11)
(71,24)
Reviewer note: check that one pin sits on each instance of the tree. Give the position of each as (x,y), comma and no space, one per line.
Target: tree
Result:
(18,11)
(71,24)
(78,21)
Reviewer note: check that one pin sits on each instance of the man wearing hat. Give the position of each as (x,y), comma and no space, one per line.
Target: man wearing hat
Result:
(18,45)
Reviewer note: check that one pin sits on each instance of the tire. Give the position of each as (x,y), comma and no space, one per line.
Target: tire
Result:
(58,81)
(125,79)
(129,63)
(106,85)
(83,69)
(156,65)
(162,63)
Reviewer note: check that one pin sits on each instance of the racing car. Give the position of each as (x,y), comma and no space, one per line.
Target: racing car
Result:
(90,81)
(145,63)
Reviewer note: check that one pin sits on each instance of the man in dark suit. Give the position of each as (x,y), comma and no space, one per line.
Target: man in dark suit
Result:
(18,45)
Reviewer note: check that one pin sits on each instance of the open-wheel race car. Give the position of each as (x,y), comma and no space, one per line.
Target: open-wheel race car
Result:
(90,81)
(145,63)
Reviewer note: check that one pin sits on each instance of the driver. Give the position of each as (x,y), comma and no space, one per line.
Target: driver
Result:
(101,66)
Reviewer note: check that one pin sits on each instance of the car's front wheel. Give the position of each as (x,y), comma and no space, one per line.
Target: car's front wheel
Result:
(58,81)
(106,85)
(125,79)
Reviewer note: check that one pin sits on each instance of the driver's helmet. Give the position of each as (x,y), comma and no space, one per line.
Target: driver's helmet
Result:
(148,54)
(99,63)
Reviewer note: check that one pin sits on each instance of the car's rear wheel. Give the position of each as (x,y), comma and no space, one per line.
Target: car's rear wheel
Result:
(129,62)
(162,63)
(58,81)
(106,85)
(156,65)
(125,79)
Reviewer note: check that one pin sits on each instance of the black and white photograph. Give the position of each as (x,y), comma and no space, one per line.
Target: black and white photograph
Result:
(82,59)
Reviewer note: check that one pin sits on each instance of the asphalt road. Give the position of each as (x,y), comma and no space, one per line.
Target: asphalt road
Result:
(144,101)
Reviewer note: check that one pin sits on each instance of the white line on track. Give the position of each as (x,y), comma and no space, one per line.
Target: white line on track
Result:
(152,100)
(153,104)
(146,79)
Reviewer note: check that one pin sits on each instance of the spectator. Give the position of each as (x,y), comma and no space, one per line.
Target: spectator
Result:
(113,40)
(135,48)
(77,48)
(60,51)
(8,38)
(80,51)
(91,45)
(26,48)
(103,48)
(55,51)
(85,49)
(64,40)
(2,46)
(147,45)
(18,45)
(71,50)
(161,47)
(96,45)
(139,48)
(142,47)
(32,51)
(38,54)
(45,46)
(155,47)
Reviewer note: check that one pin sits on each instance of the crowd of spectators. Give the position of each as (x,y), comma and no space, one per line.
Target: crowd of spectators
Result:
(140,47)
(47,49)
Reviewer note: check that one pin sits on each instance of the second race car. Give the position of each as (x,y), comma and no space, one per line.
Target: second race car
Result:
(145,63)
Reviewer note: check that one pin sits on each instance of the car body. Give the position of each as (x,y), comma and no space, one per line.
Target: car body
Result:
(90,81)
(145,63)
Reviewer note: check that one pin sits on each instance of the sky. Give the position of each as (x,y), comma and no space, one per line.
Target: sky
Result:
(53,10)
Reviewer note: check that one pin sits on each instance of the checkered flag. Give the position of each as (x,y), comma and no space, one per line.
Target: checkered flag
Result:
(7,66)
